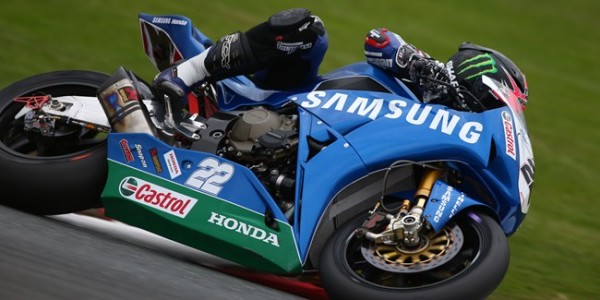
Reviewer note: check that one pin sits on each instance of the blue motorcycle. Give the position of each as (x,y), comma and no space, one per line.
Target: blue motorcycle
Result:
(350,177)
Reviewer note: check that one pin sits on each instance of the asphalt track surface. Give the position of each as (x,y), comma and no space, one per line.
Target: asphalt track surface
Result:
(80,257)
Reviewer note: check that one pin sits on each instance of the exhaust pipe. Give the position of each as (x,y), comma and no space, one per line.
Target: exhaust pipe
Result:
(120,101)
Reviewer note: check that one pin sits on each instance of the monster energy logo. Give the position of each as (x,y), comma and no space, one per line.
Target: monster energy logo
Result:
(481,64)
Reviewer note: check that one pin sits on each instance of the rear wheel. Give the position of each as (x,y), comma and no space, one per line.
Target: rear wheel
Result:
(51,175)
(466,260)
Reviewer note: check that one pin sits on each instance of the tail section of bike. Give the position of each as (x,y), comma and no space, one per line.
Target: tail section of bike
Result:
(167,39)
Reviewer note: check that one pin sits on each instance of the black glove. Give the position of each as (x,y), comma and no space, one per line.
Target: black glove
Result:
(426,69)
(432,78)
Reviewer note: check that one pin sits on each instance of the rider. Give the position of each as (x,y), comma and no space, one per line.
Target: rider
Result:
(285,52)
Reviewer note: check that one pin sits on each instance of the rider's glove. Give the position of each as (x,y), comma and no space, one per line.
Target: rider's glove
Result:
(381,47)
(428,68)
(432,78)
(389,51)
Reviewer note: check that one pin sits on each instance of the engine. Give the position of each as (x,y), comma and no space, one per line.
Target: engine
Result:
(263,140)
(260,135)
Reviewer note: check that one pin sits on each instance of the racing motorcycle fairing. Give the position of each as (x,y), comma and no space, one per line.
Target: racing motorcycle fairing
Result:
(198,199)
(369,131)
(361,132)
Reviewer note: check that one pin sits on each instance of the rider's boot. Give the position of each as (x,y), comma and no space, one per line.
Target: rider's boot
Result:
(173,85)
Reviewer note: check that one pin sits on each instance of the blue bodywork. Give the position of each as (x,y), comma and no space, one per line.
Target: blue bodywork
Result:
(365,131)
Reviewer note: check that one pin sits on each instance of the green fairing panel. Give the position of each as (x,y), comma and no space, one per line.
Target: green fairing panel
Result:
(200,221)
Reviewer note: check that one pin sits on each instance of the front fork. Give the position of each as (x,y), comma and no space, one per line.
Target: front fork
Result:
(403,226)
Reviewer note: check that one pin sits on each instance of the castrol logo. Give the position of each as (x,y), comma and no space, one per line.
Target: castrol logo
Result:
(509,135)
(155,196)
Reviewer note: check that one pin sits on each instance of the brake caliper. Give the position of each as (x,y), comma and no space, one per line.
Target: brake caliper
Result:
(375,223)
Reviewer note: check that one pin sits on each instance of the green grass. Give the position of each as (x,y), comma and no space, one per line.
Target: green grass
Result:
(556,43)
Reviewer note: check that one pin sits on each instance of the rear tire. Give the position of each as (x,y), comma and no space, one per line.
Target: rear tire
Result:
(68,178)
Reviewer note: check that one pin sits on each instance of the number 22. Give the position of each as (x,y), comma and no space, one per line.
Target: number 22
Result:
(210,176)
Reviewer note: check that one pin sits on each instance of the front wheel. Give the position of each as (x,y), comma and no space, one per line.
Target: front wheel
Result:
(55,174)
(466,260)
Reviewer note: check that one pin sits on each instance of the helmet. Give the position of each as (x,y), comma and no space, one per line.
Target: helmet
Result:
(470,71)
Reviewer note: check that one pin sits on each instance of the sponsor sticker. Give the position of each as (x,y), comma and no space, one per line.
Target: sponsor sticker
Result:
(509,135)
(126,150)
(128,93)
(155,161)
(440,120)
(167,20)
(140,155)
(156,196)
(172,164)
(243,228)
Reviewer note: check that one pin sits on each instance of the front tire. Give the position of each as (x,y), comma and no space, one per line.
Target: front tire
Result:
(475,270)
(49,176)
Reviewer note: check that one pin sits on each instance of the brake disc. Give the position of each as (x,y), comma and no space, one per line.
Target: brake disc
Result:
(434,250)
